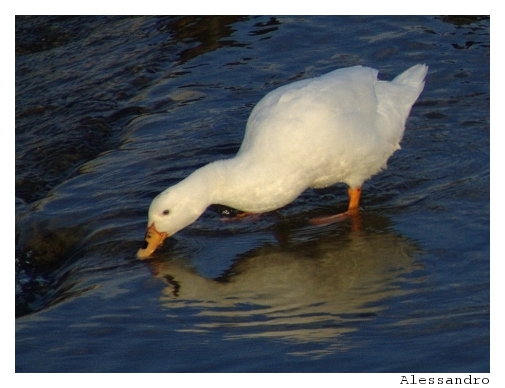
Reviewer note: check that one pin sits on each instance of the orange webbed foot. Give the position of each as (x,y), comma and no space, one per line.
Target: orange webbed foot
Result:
(352,211)
(240,216)
(321,221)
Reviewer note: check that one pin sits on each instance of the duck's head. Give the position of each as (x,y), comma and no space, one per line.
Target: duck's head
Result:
(172,210)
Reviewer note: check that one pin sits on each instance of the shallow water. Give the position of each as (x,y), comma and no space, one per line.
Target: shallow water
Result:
(110,111)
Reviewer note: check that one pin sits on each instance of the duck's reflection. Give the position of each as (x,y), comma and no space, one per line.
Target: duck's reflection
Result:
(307,292)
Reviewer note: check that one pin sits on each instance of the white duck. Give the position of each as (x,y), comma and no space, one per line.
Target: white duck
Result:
(339,127)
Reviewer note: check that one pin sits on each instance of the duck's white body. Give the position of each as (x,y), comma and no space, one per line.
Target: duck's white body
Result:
(340,127)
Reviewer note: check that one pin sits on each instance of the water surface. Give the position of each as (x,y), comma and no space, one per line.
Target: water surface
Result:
(112,110)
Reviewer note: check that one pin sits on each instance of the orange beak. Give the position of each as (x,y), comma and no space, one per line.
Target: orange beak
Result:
(152,241)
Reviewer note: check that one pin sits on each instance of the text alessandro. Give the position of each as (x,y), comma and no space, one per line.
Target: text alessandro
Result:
(411,379)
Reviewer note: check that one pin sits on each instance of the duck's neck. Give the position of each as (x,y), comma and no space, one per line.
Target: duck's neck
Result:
(250,186)
(227,182)
(211,183)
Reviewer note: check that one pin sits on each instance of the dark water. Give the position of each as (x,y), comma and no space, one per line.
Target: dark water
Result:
(110,111)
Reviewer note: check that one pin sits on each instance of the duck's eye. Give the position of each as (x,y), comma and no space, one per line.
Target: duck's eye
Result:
(166,212)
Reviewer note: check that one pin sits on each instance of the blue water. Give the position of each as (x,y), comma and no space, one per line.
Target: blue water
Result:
(112,110)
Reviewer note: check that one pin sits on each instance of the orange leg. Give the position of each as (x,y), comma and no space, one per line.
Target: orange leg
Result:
(352,210)
(354,196)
